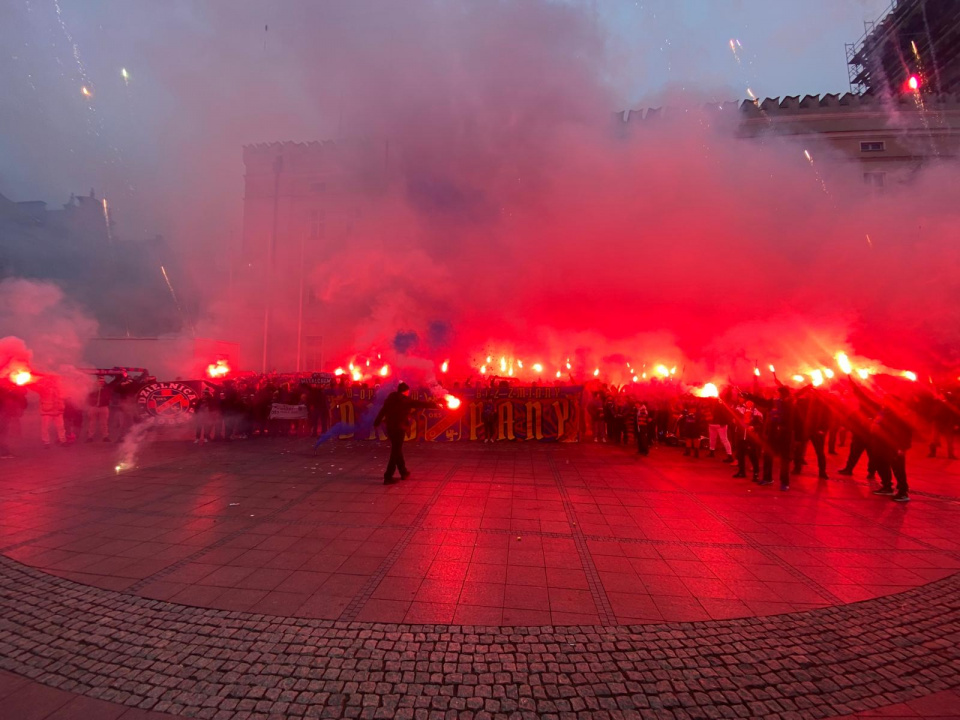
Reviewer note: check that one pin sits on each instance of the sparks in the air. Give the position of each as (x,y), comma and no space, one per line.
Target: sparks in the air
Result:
(85,91)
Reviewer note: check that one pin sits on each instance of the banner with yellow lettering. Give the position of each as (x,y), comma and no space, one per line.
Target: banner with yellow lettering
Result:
(544,414)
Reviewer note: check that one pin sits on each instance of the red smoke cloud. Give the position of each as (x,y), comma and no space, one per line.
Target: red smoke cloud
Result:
(521,217)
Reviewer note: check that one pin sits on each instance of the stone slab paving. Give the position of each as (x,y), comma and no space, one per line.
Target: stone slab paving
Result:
(258,578)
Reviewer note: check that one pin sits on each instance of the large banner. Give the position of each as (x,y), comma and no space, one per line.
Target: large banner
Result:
(547,414)
(279,411)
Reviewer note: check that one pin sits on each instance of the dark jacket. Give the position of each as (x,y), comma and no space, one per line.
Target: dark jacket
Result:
(778,419)
(891,430)
(396,411)
(13,402)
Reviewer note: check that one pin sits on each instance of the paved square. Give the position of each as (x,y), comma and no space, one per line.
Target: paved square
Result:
(258,579)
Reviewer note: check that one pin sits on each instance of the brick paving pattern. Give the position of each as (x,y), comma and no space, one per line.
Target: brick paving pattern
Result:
(518,581)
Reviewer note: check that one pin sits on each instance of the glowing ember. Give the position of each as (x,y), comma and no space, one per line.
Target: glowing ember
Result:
(350,366)
(863,373)
(817,377)
(219,370)
(444,366)
(86,91)
(798,378)
(520,364)
(558,373)
(662,370)
(357,376)
(453,402)
(636,379)
(568,365)
(771,368)
(503,364)
(339,371)
(828,372)
(596,372)
(483,369)
(124,74)
(911,376)
(537,367)
(20,377)
(673,370)
(756,371)
(843,362)
(913,83)
(384,371)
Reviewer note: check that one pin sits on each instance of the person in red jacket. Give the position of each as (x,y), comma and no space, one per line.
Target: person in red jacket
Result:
(396,412)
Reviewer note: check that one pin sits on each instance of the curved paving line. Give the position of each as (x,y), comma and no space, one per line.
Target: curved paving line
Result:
(206,663)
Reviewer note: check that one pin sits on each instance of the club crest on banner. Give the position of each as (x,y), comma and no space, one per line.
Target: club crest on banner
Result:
(168,403)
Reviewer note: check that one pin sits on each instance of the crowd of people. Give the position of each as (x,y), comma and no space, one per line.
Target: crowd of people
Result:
(763,434)
(763,431)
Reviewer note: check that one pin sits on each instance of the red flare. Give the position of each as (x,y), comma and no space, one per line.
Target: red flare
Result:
(218,370)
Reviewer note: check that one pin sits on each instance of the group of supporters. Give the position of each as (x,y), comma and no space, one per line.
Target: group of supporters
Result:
(766,431)
(107,411)
(762,432)
(228,409)
(241,408)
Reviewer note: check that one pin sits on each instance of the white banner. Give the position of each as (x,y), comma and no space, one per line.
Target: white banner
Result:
(279,411)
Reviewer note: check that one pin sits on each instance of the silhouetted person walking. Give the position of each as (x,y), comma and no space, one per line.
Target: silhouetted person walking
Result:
(396,412)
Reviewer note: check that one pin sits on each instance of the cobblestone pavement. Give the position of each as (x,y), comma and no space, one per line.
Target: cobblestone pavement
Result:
(261,580)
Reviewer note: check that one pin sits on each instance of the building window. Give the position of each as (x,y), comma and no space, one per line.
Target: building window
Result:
(873,146)
(874,179)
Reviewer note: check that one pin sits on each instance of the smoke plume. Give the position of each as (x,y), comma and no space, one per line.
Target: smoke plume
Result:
(518,213)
